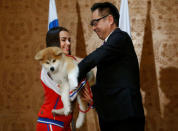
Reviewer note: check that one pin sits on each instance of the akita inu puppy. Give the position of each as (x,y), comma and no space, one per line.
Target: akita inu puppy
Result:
(64,71)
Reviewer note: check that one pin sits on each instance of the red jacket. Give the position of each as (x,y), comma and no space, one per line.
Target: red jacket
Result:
(52,101)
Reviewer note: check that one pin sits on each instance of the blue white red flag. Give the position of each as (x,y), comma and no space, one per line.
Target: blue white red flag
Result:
(52,18)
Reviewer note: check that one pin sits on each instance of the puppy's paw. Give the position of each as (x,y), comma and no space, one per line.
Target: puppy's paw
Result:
(67,111)
(58,111)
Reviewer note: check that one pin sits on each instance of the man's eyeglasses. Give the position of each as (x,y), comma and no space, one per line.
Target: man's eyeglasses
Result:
(95,21)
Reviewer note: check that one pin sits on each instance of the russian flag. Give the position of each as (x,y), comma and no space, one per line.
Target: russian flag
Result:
(52,18)
(124,21)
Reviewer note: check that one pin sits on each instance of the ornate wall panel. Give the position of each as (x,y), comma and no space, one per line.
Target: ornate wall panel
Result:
(23,26)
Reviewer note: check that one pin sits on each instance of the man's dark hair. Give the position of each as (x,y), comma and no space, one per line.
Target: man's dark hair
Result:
(52,36)
(108,8)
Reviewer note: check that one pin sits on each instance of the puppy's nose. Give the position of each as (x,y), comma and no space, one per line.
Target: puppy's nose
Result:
(51,68)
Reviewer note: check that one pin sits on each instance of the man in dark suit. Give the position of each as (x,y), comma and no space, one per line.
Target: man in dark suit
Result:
(116,95)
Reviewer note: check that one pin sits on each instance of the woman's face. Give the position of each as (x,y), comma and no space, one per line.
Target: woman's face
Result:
(65,41)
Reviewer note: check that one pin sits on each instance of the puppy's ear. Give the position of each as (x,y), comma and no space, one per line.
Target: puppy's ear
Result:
(57,51)
(39,56)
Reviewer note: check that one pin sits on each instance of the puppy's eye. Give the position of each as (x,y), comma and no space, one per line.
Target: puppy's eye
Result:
(47,62)
(69,40)
(54,61)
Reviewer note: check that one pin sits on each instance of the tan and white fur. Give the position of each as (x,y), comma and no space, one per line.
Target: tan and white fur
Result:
(64,71)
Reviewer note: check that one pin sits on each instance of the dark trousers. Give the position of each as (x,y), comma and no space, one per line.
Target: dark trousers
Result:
(130,124)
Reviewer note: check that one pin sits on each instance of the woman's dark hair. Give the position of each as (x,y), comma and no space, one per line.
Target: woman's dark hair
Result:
(52,36)
(109,8)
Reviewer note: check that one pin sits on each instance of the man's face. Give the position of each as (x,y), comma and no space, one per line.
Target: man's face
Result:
(102,26)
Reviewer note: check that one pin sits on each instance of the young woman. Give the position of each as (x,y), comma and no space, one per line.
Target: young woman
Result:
(46,120)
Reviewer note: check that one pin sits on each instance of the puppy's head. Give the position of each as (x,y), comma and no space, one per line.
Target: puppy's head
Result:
(50,58)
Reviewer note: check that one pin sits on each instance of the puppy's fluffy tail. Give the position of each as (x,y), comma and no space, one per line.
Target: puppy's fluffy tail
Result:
(81,116)
(80,120)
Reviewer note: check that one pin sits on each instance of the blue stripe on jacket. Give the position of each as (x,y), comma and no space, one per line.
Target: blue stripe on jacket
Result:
(50,121)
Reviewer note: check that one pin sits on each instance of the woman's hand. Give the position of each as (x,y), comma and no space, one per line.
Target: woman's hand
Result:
(87,94)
